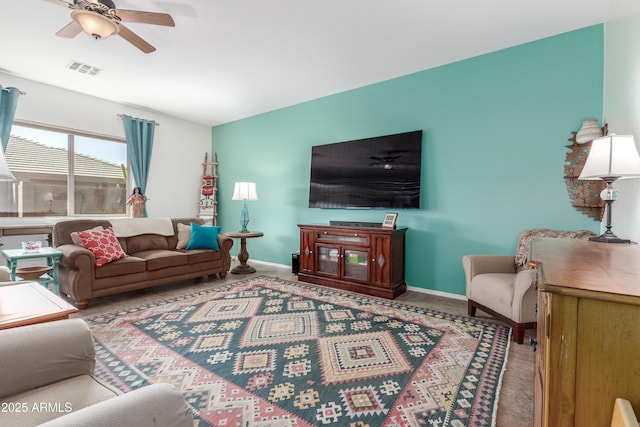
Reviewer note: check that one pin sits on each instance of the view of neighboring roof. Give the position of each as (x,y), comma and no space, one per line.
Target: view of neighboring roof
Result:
(27,156)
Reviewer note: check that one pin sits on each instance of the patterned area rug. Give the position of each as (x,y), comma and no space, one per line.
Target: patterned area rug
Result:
(268,352)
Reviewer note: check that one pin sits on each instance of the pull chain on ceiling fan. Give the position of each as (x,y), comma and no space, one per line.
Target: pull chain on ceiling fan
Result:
(101,19)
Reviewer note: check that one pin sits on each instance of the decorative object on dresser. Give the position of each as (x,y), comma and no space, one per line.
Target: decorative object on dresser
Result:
(269,352)
(244,191)
(584,195)
(369,260)
(588,338)
(589,131)
(504,285)
(611,158)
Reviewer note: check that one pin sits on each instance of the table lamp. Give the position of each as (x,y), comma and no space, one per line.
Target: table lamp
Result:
(244,191)
(612,157)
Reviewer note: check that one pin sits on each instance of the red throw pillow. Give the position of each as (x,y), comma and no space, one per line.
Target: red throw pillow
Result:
(103,244)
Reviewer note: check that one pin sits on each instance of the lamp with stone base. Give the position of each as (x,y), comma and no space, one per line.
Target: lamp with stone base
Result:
(611,158)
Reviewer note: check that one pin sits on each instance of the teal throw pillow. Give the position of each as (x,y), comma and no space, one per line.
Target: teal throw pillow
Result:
(204,237)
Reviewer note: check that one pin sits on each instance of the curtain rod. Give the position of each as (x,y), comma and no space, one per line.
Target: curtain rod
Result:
(19,91)
(138,118)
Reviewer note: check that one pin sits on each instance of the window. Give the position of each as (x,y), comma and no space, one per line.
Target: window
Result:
(60,172)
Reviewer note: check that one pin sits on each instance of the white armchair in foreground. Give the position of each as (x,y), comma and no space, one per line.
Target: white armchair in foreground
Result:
(47,378)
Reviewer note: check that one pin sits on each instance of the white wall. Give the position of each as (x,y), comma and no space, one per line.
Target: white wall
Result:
(178,151)
(622,103)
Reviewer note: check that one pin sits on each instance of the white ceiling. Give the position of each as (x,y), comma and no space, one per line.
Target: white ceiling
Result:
(229,59)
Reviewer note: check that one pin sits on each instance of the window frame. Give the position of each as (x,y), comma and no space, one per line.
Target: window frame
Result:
(71,133)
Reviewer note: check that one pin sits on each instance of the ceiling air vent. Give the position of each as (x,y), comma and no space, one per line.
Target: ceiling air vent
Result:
(84,68)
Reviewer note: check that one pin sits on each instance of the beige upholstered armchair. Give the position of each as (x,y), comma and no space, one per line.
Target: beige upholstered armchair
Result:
(504,285)
(47,378)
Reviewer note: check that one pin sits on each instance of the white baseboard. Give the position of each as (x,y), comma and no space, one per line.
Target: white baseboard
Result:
(272,264)
(437,293)
(410,288)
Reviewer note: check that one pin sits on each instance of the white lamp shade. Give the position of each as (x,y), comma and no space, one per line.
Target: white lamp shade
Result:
(612,156)
(94,24)
(245,191)
(5,172)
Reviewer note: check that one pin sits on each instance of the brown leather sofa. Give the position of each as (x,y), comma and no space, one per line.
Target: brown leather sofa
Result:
(152,260)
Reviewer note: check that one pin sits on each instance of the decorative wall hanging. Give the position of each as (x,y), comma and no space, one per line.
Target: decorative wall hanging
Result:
(589,131)
(209,190)
(584,195)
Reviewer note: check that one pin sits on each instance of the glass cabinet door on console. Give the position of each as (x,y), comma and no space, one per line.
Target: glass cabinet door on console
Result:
(356,264)
(343,254)
(328,260)
(342,262)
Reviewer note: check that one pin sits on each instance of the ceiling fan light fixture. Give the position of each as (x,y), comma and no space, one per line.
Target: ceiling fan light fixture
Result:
(94,24)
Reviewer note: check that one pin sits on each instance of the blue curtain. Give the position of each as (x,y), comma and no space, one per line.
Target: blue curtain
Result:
(139,134)
(8,103)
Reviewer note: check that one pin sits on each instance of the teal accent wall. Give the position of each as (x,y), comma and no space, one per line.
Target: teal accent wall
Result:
(494,127)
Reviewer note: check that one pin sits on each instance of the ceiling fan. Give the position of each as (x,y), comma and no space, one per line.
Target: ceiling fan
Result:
(101,19)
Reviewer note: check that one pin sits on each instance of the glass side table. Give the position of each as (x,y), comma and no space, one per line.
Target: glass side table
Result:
(52,256)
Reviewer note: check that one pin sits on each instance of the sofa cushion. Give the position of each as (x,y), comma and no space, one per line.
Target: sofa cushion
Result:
(203,255)
(204,237)
(158,259)
(122,267)
(173,240)
(61,234)
(184,235)
(76,239)
(146,242)
(103,244)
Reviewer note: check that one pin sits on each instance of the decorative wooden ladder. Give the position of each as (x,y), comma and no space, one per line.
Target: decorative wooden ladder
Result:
(209,190)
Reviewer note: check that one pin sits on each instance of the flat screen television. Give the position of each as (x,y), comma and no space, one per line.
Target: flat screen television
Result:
(380,172)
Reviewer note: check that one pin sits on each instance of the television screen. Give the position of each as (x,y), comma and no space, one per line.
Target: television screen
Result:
(380,172)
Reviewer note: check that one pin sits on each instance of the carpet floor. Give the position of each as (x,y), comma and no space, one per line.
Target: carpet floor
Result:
(266,351)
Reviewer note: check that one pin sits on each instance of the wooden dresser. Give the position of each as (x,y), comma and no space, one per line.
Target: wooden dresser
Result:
(588,334)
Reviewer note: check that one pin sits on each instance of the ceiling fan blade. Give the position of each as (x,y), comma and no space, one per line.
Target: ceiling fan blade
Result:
(145,17)
(70,30)
(62,3)
(135,39)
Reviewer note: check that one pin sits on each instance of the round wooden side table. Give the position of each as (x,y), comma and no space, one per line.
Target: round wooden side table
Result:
(243,256)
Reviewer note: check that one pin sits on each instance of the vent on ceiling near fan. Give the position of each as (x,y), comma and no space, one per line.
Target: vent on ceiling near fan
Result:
(84,68)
